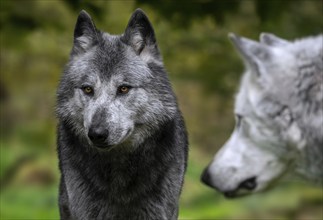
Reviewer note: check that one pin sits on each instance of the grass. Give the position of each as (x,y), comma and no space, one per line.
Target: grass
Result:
(26,199)
(29,203)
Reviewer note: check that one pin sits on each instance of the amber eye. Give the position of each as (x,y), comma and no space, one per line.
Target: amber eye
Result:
(87,90)
(123,89)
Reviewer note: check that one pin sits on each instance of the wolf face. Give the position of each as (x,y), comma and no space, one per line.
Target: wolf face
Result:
(108,93)
(280,94)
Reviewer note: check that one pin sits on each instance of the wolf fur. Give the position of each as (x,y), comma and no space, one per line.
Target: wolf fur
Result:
(122,142)
(279,117)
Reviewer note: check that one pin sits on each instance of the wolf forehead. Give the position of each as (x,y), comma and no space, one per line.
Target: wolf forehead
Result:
(111,56)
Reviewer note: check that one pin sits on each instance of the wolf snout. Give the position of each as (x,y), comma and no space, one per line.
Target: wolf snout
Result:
(206,178)
(242,187)
(98,135)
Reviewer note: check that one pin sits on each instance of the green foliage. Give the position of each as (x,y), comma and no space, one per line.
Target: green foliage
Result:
(183,12)
(36,38)
(29,203)
(97,8)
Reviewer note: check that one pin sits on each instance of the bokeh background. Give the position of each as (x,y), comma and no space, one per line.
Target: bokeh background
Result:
(36,38)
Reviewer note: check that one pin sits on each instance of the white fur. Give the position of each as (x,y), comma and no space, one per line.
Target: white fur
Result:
(279,130)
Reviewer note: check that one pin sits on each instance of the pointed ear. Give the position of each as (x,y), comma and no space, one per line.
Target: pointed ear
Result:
(140,34)
(272,40)
(85,33)
(254,53)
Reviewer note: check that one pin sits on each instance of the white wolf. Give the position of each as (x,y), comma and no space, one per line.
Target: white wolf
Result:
(279,117)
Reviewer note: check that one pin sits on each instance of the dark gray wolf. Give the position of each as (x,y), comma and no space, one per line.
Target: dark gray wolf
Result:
(122,143)
(279,117)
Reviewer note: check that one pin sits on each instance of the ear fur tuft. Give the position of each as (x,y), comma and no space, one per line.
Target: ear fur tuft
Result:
(272,40)
(85,33)
(140,35)
(254,53)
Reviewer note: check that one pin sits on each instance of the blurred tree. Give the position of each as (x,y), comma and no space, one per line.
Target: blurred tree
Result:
(20,15)
(273,10)
(183,11)
(27,16)
(271,13)
(97,8)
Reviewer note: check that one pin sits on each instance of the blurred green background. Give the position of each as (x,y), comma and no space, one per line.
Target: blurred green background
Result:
(36,38)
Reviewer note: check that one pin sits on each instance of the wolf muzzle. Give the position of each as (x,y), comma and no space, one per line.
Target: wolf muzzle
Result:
(98,136)
(248,184)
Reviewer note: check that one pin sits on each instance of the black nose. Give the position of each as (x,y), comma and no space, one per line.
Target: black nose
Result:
(98,135)
(206,178)
(249,184)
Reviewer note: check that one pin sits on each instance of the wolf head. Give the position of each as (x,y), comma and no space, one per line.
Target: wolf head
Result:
(282,84)
(114,89)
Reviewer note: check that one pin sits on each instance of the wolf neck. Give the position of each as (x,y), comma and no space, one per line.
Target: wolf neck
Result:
(310,164)
(308,115)
(307,127)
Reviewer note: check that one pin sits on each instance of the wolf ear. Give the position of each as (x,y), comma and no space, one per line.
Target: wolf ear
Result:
(140,35)
(272,40)
(254,53)
(85,33)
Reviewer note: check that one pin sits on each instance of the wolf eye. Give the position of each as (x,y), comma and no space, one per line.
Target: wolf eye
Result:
(238,120)
(87,90)
(123,89)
